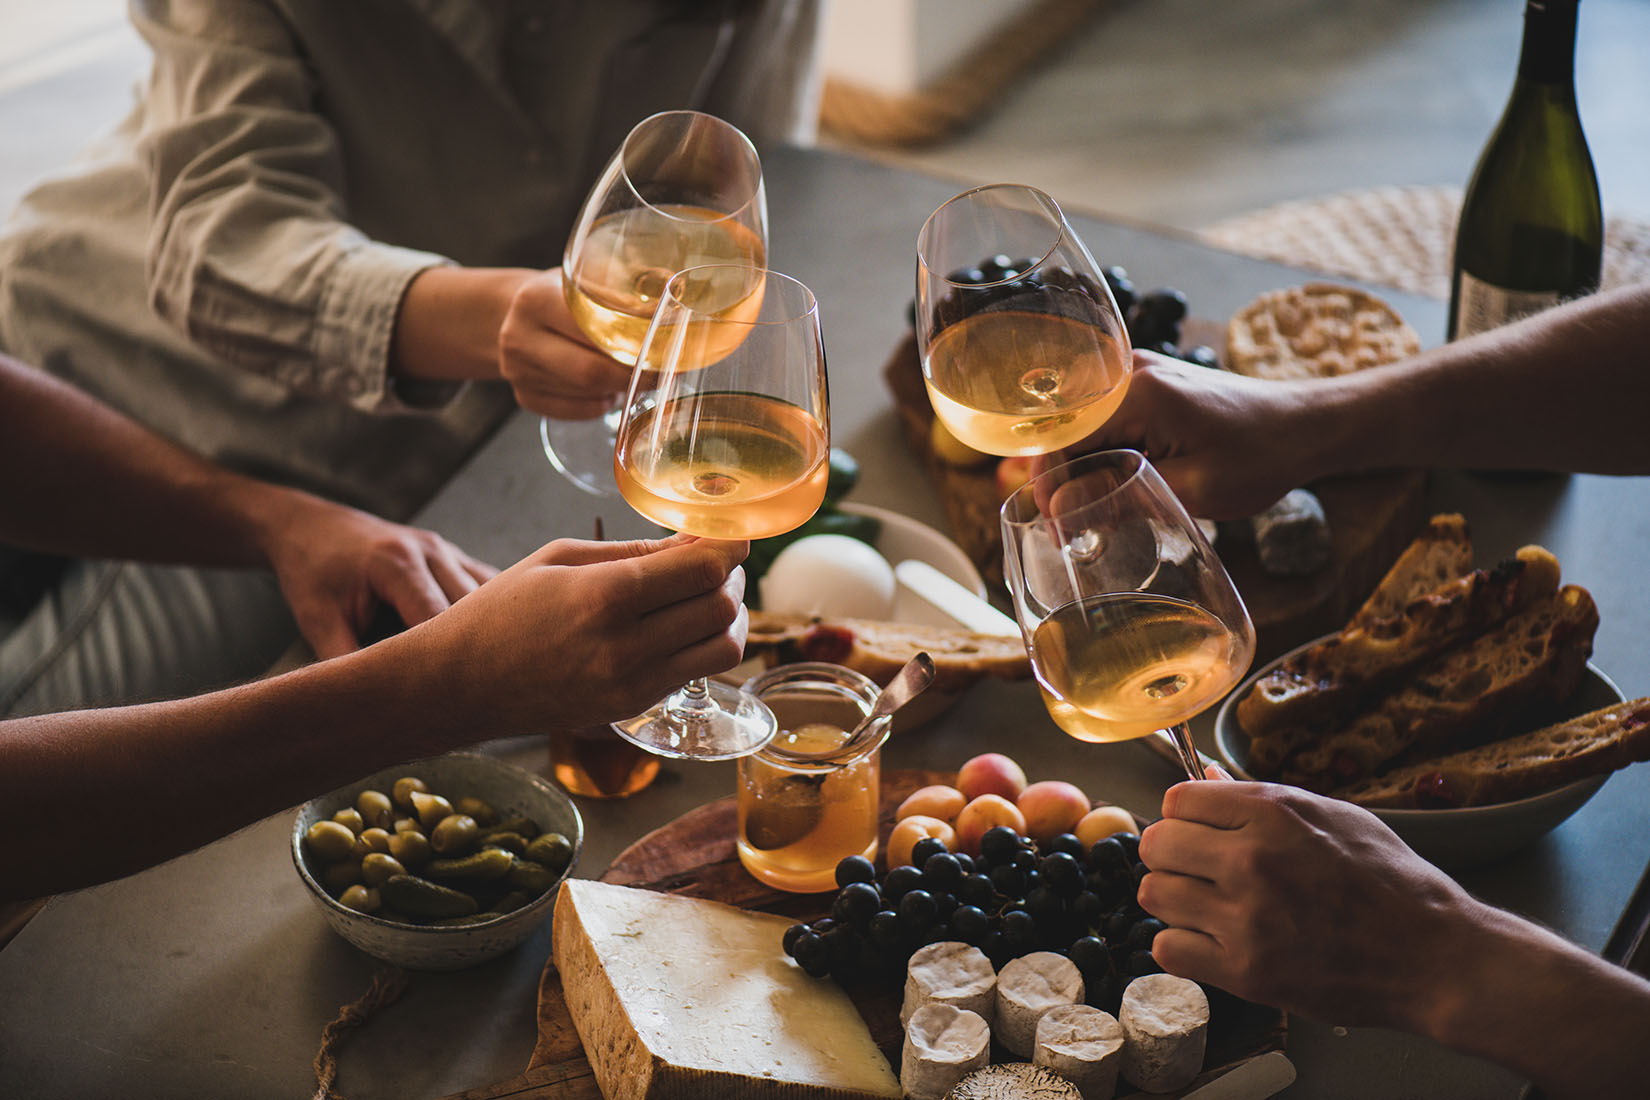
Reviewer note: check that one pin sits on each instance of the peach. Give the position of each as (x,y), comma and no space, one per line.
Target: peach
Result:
(938,801)
(1012,472)
(907,832)
(984,813)
(1103,821)
(1052,807)
(991,773)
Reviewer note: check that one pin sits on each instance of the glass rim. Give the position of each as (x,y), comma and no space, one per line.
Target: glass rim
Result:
(1062,229)
(826,675)
(1125,457)
(809,306)
(623,157)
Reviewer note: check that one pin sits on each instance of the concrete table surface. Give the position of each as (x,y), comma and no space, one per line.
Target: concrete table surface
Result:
(212,975)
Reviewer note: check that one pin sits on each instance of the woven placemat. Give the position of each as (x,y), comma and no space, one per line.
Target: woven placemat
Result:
(1400,237)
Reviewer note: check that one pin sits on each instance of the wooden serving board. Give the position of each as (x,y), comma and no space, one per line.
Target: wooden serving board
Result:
(694,856)
(1372,517)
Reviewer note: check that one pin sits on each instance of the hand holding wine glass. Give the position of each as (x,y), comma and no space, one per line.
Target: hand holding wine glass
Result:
(1130,619)
(725,434)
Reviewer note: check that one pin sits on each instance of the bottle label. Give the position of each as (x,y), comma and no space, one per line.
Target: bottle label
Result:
(1485,306)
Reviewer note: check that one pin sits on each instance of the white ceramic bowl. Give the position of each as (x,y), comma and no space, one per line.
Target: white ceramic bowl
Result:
(901,538)
(1460,838)
(512,791)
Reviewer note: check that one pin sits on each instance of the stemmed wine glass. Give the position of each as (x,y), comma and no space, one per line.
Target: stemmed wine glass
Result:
(725,434)
(683,190)
(1130,619)
(1023,348)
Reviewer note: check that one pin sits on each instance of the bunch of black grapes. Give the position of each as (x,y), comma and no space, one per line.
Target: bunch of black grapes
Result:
(1010,901)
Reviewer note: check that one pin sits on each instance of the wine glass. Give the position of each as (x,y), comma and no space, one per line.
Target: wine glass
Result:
(725,434)
(1131,622)
(683,190)
(1023,348)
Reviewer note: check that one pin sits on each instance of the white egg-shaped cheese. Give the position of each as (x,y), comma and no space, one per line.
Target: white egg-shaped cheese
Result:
(832,576)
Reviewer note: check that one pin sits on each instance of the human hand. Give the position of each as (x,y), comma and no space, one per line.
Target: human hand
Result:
(336,565)
(546,359)
(581,633)
(1298,901)
(1228,445)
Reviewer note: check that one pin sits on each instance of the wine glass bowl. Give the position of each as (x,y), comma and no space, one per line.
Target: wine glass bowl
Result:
(1023,348)
(1130,620)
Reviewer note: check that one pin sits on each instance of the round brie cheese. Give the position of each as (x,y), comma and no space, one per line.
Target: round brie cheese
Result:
(1165,1026)
(943,1044)
(1082,1044)
(950,973)
(1028,987)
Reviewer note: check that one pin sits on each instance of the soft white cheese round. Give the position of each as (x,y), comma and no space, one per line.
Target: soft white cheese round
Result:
(1027,987)
(1082,1044)
(829,575)
(1165,1026)
(943,1044)
(950,973)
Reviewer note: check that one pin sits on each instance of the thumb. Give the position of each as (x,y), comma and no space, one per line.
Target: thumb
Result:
(586,552)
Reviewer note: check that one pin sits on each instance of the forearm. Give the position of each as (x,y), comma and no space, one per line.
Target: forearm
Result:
(1522,997)
(448,325)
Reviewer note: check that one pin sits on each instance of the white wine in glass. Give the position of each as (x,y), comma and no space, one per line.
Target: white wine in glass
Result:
(1021,356)
(725,434)
(1130,620)
(683,190)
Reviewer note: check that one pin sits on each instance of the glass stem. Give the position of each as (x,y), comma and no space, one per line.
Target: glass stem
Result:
(1181,735)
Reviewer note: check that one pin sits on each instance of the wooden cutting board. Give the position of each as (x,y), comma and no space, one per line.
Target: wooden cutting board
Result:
(694,855)
(1372,517)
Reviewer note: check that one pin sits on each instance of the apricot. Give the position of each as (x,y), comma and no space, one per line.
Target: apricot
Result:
(984,813)
(952,450)
(1103,821)
(1012,473)
(1052,807)
(938,801)
(991,773)
(912,829)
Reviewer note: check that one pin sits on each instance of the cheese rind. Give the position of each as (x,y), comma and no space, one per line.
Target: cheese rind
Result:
(943,1044)
(1027,987)
(1014,1081)
(950,973)
(1165,1027)
(1082,1044)
(682,998)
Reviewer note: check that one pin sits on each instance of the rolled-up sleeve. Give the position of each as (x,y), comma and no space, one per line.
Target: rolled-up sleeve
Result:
(250,251)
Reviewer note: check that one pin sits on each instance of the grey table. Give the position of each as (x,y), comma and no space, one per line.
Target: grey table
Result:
(212,976)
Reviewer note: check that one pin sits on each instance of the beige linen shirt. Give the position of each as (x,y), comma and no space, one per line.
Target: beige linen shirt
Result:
(227,265)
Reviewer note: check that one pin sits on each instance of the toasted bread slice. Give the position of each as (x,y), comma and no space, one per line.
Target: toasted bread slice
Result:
(1591,744)
(1318,330)
(1470,694)
(880,649)
(1440,554)
(1325,683)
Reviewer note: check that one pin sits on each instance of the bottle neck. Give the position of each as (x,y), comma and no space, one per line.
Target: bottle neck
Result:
(1548,55)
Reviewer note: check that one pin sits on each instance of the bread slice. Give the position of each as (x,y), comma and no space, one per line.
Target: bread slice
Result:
(1440,554)
(1318,330)
(1502,771)
(1323,684)
(1470,694)
(880,649)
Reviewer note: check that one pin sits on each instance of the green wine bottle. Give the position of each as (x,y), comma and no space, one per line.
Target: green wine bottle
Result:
(1531,233)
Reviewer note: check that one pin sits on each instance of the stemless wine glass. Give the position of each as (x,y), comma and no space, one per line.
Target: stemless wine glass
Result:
(1131,622)
(683,190)
(1023,348)
(725,434)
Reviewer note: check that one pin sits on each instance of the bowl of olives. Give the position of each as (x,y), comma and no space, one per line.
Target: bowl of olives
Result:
(438,864)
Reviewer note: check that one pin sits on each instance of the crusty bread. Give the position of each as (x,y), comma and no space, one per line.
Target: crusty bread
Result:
(1438,555)
(880,649)
(1316,331)
(1530,663)
(1592,744)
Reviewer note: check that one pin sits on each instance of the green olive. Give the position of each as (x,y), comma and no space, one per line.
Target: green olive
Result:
(411,848)
(478,808)
(375,808)
(377,867)
(329,840)
(341,876)
(350,818)
(376,839)
(524,827)
(362,899)
(402,791)
(454,834)
(360,849)
(552,849)
(430,808)
(514,843)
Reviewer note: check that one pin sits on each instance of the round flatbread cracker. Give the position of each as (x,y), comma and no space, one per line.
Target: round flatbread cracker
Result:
(1318,330)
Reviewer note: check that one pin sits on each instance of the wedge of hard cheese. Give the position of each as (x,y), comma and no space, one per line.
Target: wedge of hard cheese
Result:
(678,998)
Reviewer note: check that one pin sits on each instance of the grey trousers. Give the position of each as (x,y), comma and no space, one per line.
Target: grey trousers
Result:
(116,632)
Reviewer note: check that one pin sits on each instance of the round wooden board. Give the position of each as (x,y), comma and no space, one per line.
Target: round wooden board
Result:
(695,856)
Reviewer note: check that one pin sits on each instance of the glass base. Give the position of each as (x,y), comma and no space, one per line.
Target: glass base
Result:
(721,724)
(582,451)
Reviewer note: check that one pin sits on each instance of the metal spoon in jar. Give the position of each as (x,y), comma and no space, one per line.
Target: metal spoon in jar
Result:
(909,682)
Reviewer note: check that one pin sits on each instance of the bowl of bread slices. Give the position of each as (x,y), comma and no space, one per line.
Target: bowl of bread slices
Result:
(1458,704)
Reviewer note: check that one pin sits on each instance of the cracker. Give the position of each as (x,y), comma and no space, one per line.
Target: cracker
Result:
(1318,330)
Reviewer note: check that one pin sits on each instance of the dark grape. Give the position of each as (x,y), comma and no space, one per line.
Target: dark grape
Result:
(1024,860)
(965,861)
(1068,844)
(1143,932)
(1091,957)
(1141,963)
(855,869)
(1204,356)
(823,925)
(977,890)
(918,909)
(1130,843)
(1139,872)
(999,844)
(792,934)
(1118,924)
(969,924)
(813,954)
(1165,303)
(1045,905)
(900,881)
(1019,928)
(1109,858)
(1088,908)
(925,849)
(1105,992)
(942,872)
(857,903)
(1060,872)
(1121,287)
(1009,880)
(885,930)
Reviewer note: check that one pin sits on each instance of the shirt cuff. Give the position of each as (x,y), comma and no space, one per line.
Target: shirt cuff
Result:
(357,324)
